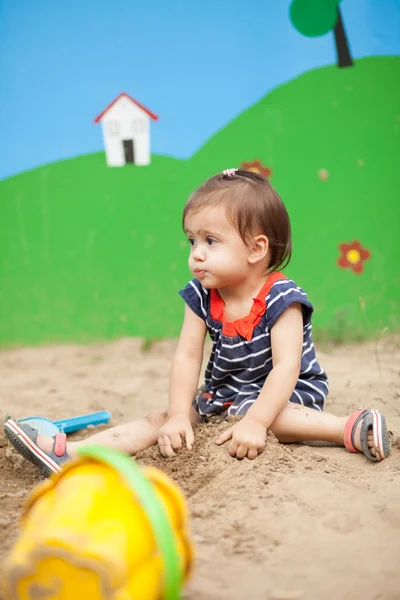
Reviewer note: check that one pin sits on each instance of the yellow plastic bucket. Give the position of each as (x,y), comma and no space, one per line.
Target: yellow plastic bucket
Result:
(102,529)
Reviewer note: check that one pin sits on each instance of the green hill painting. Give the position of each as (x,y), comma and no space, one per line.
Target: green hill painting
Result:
(90,252)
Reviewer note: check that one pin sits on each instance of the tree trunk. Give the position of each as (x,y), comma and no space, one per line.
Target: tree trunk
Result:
(342,48)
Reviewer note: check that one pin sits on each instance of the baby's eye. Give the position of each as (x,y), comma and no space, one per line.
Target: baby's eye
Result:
(211,241)
(191,241)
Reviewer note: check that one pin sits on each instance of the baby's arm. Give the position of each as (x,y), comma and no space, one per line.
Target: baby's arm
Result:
(287,346)
(186,364)
(184,380)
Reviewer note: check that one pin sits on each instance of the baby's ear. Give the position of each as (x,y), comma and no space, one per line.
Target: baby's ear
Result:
(259,249)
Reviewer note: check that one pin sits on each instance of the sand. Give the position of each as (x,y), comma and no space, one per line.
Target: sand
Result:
(301,522)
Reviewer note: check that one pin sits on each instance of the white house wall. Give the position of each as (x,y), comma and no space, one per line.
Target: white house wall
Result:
(126,121)
(113,146)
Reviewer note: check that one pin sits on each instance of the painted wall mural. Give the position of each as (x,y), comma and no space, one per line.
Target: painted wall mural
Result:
(126,132)
(353,256)
(314,18)
(89,251)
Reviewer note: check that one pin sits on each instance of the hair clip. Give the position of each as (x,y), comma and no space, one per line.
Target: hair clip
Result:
(229,172)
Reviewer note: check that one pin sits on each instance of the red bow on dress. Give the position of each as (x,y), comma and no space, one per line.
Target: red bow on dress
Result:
(246,325)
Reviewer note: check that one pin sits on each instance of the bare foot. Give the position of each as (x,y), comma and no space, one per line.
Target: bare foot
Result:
(370,439)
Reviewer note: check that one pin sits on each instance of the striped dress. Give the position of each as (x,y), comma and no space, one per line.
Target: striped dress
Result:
(241,356)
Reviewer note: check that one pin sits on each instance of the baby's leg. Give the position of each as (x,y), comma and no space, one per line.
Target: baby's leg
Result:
(130,438)
(296,423)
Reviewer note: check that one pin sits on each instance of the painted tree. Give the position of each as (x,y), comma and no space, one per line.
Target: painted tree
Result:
(313,18)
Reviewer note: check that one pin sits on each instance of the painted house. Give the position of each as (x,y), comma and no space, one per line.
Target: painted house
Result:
(126,132)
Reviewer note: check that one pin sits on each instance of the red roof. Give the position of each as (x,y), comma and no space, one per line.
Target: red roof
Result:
(146,110)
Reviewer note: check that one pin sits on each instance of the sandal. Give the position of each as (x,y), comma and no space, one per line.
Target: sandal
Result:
(370,419)
(24,437)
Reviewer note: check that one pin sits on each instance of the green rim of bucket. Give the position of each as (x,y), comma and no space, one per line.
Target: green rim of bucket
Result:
(153,508)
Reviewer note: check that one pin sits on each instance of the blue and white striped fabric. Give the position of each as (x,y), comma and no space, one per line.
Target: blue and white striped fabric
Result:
(237,368)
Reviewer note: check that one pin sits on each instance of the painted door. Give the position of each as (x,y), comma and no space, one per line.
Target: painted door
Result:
(129,151)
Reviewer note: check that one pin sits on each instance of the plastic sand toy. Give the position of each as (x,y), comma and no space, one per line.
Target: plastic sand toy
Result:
(47,427)
(103,528)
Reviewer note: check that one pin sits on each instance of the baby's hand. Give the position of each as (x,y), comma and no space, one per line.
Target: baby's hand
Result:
(170,435)
(248,438)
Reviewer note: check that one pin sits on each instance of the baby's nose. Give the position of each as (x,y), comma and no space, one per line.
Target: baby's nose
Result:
(198,253)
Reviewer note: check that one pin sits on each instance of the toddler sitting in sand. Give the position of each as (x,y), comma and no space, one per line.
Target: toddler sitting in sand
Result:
(262,367)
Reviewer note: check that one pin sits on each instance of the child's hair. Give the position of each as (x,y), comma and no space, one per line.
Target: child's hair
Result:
(252,206)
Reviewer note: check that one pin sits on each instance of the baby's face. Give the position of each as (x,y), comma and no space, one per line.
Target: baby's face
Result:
(218,255)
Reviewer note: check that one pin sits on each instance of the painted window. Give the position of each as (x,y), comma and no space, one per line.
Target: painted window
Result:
(113,128)
(138,126)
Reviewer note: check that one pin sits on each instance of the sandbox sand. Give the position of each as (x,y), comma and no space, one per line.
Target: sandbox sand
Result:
(301,522)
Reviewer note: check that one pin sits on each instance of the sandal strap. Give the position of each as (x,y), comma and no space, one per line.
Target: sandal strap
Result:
(381,436)
(371,420)
(60,444)
(350,428)
(367,424)
(377,430)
